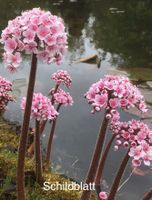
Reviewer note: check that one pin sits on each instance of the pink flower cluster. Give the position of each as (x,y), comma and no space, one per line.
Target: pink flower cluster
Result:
(113,92)
(42,108)
(34,32)
(103,195)
(5,96)
(62,77)
(62,97)
(136,136)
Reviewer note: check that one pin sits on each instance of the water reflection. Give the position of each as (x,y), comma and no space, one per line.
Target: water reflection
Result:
(18,84)
(120,32)
(126,34)
(122,28)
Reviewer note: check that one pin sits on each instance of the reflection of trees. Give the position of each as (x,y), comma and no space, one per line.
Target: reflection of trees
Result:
(127,35)
(10,9)
(75,15)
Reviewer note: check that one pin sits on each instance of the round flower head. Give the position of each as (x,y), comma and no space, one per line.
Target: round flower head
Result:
(5,96)
(34,32)
(42,108)
(62,77)
(136,136)
(62,97)
(113,92)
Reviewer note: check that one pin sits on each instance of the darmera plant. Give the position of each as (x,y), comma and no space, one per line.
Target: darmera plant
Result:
(5,93)
(110,93)
(61,98)
(41,110)
(61,78)
(38,33)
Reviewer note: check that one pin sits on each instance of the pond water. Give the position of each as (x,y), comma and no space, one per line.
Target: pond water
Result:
(120,32)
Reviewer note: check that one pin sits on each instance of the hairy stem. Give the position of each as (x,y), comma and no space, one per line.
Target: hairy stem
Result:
(24,133)
(96,157)
(118,177)
(38,155)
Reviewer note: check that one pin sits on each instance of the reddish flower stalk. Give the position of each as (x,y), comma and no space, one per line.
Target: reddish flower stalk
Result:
(38,154)
(55,90)
(59,97)
(110,93)
(24,134)
(148,195)
(103,161)
(49,145)
(42,125)
(96,157)
(118,177)
(31,148)
(41,110)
